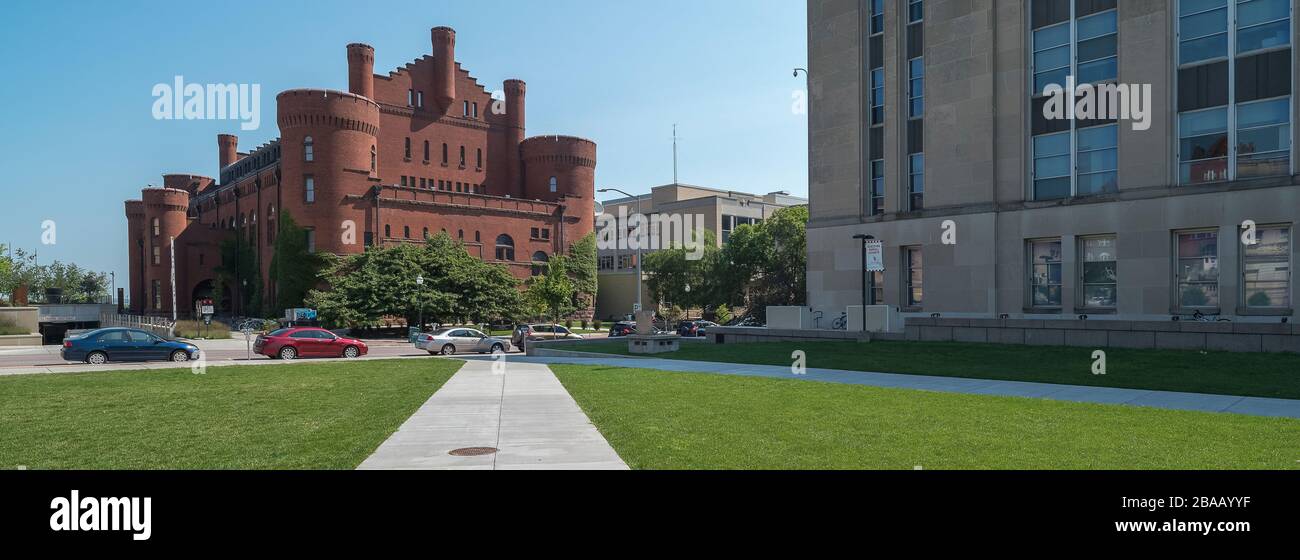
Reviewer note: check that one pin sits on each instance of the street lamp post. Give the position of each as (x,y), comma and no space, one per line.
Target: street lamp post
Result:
(641,241)
(419,282)
(864,239)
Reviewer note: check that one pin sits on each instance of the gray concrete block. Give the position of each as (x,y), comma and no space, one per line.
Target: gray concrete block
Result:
(1261,328)
(988,323)
(1199,327)
(1234,342)
(942,322)
(1023,323)
(1180,341)
(936,334)
(1045,337)
(1132,339)
(1280,343)
(970,334)
(1007,336)
(1157,326)
(1103,325)
(1087,339)
(919,322)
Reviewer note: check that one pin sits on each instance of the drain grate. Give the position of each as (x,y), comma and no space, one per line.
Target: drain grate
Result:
(473,452)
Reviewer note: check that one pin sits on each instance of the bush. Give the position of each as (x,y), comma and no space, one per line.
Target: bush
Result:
(568,324)
(723,315)
(597,325)
(585,324)
(196,329)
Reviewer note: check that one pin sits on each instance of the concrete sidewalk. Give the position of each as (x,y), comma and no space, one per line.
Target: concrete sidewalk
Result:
(523,412)
(1249,406)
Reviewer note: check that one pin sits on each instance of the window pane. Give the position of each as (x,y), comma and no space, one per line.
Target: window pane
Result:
(1206,171)
(1099,71)
(1201,25)
(1096,26)
(1261,11)
(1048,189)
(1264,165)
(1215,46)
(1098,138)
(1047,251)
(1058,166)
(1203,122)
(1267,274)
(1052,145)
(1263,113)
(1264,36)
(1098,183)
(1102,160)
(1054,36)
(1193,6)
(1094,49)
(1044,79)
(1269,139)
(1100,250)
(1100,296)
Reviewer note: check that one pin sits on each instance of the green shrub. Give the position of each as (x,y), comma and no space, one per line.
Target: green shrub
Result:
(8,328)
(597,325)
(723,315)
(568,324)
(196,329)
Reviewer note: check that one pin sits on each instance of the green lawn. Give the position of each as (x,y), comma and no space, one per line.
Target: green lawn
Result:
(1221,373)
(662,420)
(301,416)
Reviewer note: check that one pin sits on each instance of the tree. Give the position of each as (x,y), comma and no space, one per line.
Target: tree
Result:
(381,283)
(295,268)
(674,277)
(582,270)
(766,265)
(6,271)
(554,291)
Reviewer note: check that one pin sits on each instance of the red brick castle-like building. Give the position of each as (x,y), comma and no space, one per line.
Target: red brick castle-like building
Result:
(420,151)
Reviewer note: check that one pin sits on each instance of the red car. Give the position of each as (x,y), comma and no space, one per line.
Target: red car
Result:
(291,344)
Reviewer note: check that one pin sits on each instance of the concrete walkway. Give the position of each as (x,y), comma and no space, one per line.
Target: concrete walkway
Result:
(1250,406)
(523,411)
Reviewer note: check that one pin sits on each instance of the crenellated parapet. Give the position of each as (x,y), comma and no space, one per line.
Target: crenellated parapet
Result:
(319,108)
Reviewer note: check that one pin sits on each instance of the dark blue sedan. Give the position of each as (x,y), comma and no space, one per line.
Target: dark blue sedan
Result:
(125,345)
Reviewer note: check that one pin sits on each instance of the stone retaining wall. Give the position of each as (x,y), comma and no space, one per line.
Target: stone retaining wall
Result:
(1171,335)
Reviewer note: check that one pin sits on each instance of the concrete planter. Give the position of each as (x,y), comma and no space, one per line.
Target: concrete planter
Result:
(26,318)
(22,340)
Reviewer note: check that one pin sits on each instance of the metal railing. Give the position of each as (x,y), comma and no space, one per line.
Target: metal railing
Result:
(158,325)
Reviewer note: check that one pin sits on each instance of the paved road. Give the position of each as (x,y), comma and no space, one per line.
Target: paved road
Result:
(45,359)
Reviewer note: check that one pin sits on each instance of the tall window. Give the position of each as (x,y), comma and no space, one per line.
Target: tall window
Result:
(1267,269)
(462,156)
(444,155)
(876,288)
(915,274)
(157,295)
(408,147)
(308,149)
(478,162)
(374,159)
(157,255)
(1045,273)
(157,228)
(877,96)
(1099,272)
(419,99)
(311,240)
(309,189)
(426,151)
(554,184)
(410,98)
(916,182)
(1234,89)
(877,16)
(916,87)
(1073,157)
(915,11)
(388,231)
(505,248)
(474,106)
(406,232)
(1197,269)
(878,187)
(540,261)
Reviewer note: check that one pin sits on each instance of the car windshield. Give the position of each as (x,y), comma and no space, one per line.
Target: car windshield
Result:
(443,332)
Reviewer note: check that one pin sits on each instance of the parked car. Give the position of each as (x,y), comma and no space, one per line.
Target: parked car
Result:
(694,329)
(308,342)
(746,322)
(450,341)
(532,333)
(125,345)
(622,328)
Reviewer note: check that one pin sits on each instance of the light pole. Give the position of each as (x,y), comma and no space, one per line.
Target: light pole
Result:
(864,239)
(640,242)
(419,282)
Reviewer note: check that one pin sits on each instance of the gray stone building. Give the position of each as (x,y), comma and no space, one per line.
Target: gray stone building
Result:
(927,117)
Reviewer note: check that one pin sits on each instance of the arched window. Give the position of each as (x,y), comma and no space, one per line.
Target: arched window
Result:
(505,248)
(555,184)
(308,149)
(540,261)
(374,159)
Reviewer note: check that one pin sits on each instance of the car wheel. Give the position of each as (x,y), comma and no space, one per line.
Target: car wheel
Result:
(97,358)
(448,350)
(498,349)
(288,353)
(351,352)
(180,356)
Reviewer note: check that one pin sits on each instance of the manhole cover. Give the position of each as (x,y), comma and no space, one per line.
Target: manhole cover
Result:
(473,452)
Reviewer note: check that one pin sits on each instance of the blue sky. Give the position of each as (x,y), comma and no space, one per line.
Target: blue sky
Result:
(79,136)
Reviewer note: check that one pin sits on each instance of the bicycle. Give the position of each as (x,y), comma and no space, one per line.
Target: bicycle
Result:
(842,323)
(1200,317)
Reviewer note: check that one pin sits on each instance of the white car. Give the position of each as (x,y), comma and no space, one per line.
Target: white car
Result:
(448,342)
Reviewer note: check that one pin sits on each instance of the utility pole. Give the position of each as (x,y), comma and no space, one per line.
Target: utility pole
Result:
(173,267)
(674,154)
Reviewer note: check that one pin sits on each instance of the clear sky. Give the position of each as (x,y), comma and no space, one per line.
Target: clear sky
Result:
(79,137)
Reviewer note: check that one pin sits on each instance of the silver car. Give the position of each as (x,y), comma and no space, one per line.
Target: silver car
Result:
(451,341)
